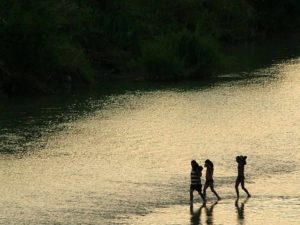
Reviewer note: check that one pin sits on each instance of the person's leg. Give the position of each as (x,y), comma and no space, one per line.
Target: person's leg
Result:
(201,195)
(191,196)
(213,190)
(243,187)
(237,183)
(204,190)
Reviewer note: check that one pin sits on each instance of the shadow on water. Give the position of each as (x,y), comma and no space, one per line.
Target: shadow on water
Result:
(196,215)
(262,53)
(24,119)
(240,210)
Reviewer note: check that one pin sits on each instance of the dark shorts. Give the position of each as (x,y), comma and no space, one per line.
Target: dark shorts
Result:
(197,187)
(240,179)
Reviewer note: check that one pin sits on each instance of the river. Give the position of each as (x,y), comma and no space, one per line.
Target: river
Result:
(122,155)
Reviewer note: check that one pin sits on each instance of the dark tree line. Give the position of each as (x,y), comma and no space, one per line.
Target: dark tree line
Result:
(44,43)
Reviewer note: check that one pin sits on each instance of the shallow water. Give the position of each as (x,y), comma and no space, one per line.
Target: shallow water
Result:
(125,158)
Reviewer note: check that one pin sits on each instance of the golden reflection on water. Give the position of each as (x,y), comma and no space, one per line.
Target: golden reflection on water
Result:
(129,162)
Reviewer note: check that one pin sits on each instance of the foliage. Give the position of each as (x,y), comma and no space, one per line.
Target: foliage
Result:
(180,54)
(276,16)
(37,45)
(46,42)
(159,59)
(232,20)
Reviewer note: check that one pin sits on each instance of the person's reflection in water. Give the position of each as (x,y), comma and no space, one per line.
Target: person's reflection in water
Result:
(240,210)
(209,213)
(196,215)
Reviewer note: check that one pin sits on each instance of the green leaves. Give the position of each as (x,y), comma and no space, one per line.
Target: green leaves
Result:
(37,44)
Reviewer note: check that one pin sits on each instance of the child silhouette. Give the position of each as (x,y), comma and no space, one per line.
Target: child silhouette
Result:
(209,178)
(196,173)
(241,160)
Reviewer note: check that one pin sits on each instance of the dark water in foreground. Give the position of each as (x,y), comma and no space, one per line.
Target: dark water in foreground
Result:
(123,158)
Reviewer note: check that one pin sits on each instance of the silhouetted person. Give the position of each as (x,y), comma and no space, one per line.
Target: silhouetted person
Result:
(196,173)
(209,178)
(241,160)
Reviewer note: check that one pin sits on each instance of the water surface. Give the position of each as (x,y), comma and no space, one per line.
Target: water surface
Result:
(124,158)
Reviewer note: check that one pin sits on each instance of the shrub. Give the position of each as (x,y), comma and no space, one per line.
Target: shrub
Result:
(37,45)
(232,20)
(180,54)
(200,53)
(159,60)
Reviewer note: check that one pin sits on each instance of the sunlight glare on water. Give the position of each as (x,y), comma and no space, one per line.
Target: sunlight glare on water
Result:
(128,160)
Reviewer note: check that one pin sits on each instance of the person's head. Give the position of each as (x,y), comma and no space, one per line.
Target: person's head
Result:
(196,166)
(241,159)
(208,163)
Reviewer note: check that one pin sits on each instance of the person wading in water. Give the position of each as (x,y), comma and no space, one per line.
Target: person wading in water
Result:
(209,178)
(196,173)
(241,160)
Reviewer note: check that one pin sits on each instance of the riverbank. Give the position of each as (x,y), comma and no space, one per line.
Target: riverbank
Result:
(242,59)
(44,44)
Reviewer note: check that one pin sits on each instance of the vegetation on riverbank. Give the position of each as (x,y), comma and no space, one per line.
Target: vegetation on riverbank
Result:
(43,43)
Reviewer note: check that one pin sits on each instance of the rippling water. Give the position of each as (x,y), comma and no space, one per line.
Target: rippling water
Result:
(125,158)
